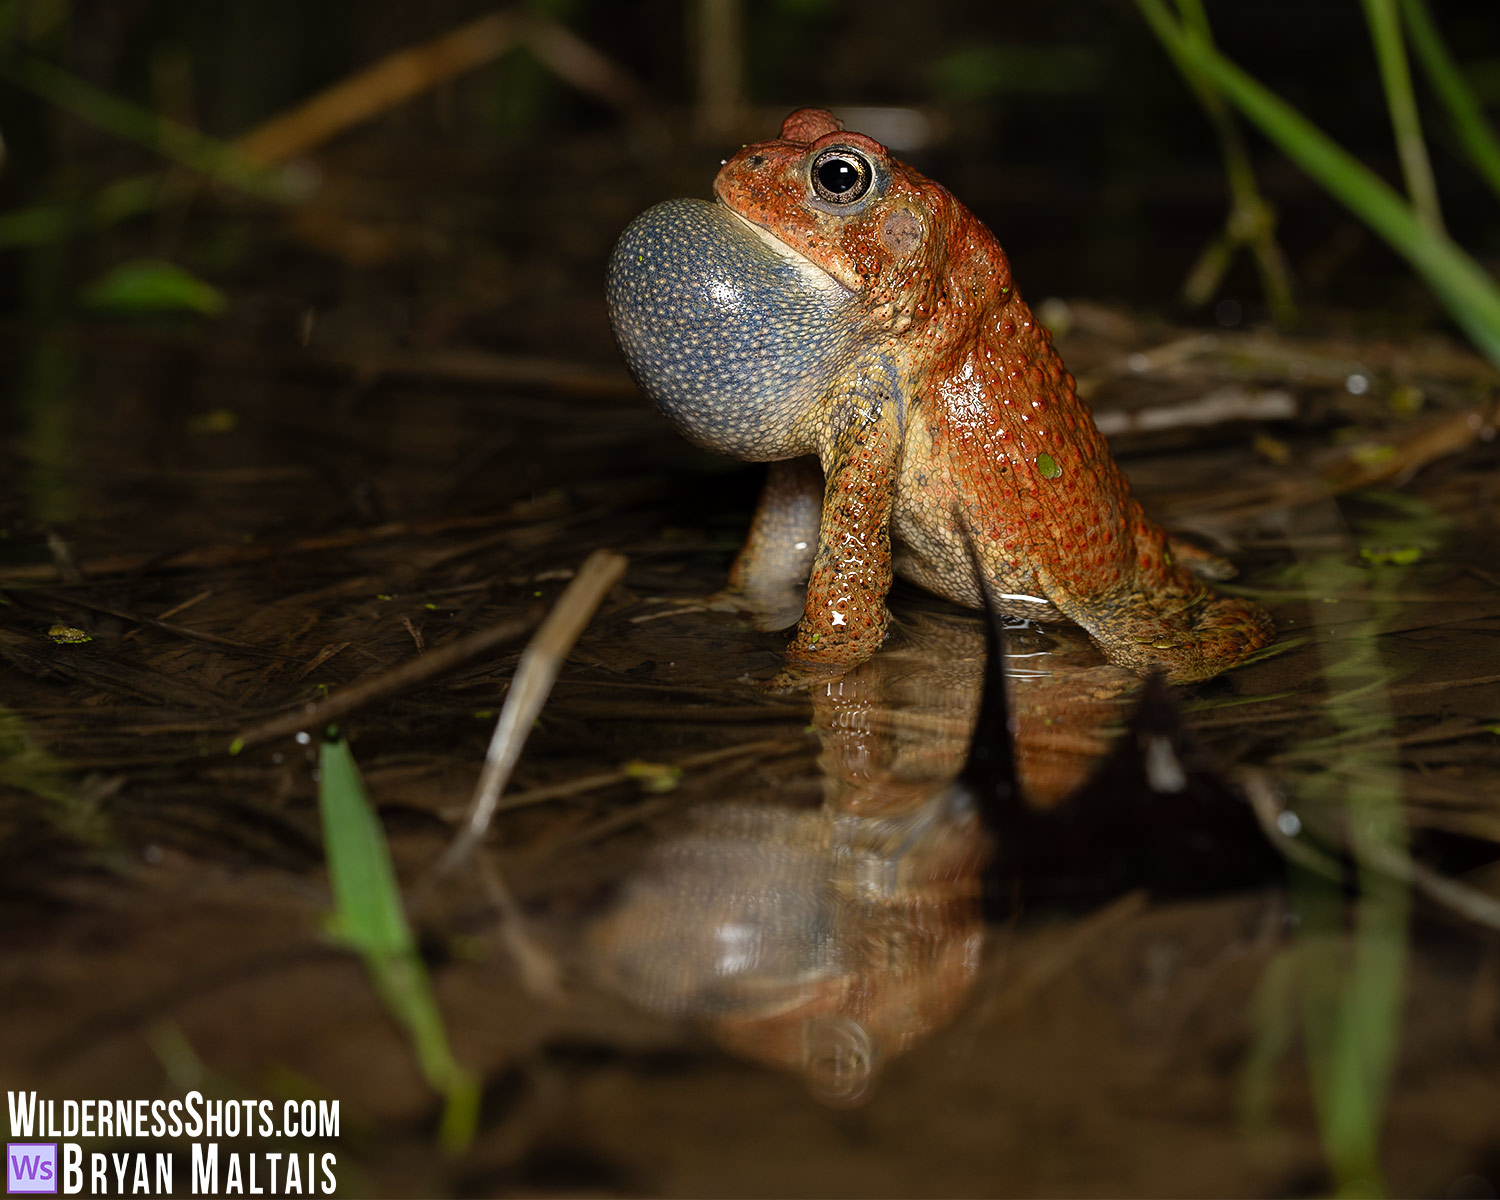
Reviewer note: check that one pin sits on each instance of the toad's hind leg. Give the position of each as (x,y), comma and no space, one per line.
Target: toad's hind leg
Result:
(769,576)
(1185,629)
(1202,563)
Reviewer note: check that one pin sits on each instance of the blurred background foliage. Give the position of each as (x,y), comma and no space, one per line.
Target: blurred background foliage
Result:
(1063,124)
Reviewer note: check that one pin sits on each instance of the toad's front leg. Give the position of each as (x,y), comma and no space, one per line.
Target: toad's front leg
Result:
(771,569)
(844,619)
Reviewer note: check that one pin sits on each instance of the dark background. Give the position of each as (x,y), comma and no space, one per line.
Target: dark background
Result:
(1064,125)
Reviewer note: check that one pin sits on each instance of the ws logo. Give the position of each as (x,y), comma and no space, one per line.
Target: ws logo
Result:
(31,1168)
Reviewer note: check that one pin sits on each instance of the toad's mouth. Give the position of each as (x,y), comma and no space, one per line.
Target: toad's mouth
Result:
(815,275)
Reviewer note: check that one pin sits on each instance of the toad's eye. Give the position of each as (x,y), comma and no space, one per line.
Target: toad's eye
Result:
(841,176)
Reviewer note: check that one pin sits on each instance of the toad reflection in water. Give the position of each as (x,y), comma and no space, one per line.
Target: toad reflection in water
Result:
(828,941)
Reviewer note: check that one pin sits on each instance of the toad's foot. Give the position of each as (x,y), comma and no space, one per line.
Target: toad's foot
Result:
(1190,637)
(769,576)
(770,605)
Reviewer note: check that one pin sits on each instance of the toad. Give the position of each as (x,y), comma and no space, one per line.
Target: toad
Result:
(839,315)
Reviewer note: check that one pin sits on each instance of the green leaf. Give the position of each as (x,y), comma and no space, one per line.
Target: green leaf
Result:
(151,286)
(366,899)
(369,917)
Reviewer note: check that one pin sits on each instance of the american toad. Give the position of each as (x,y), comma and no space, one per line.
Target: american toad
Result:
(835,304)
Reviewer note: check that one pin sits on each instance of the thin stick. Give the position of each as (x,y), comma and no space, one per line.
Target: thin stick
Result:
(388,83)
(535,674)
(575,61)
(366,691)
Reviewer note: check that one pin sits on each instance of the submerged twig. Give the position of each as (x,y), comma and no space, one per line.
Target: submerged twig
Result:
(535,674)
(1458,898)
(408,674)
(581,785)
(238,554)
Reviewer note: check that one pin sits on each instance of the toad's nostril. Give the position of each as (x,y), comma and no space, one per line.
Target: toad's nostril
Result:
(755,160)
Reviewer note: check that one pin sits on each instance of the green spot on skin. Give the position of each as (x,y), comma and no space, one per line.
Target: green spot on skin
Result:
(1048,467)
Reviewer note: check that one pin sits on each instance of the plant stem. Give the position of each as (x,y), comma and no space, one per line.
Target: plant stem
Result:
(1251,221)
(1453,90)
(1395,77)
(1469,294)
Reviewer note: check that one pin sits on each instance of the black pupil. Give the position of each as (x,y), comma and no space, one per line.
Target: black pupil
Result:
(839,175)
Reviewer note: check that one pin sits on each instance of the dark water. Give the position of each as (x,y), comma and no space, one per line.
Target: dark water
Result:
(797,919)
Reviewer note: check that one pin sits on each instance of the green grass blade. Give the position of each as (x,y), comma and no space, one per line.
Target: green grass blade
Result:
(1469,294)
(131,122)
(1350,974)
(146,286)
(112,203)
(367,902)
(370,919)
(1464,109)
(1395,77)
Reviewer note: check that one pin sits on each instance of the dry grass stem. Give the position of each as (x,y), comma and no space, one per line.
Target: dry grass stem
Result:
(535,674)
(377,89)
(408,73)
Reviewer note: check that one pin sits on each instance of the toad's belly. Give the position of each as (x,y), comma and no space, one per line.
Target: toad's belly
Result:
(929,547)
